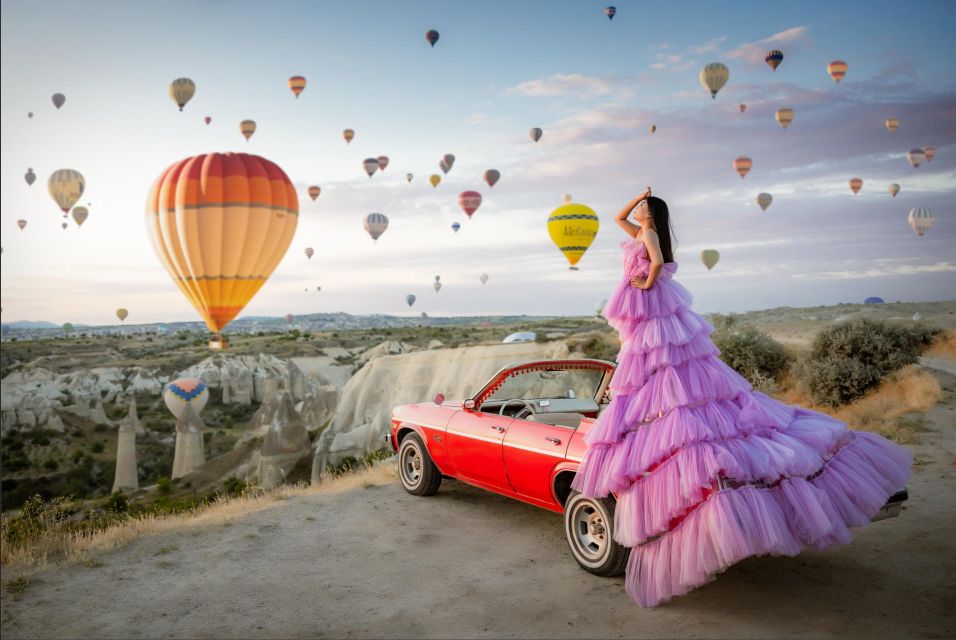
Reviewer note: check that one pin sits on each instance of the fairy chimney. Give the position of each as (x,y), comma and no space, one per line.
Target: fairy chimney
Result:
(126,478)
(189,446)
(132,418)
(286,441)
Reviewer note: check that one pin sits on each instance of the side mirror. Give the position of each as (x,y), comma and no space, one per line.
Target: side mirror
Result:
(469,404)
(439,398)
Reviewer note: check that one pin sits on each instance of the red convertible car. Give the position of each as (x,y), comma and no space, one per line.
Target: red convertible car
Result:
(522,435)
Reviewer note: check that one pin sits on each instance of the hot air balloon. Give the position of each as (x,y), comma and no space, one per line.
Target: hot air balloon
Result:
(382,162)
(855,185)
(63,226)
(370,165)
(207,119)
(181,90)
(30,114)
(566,198)
(916,157)
(572,228)
(764,200)
(434,179)
(873,300)
(314,192)
(743,165)
(714,76)
(67,327)
(535,133)
(185,391)
(30,177)
(774,58)
(309,252)
(609,12)
(837,69)
(921,219)
(444,166)
(80,214)
(455,226)
(431,37)
(784,117)
(436,285)
(449,160)
(484,278)
(22,224)
(741,107)
(297,85)
(892,123)
(121,313)
(410,299)
(409,177)
(492,176)
(930,153)
(709,257)
(58,100)
(348,134)
(375,224)
(652,128)
(220,224)
(469,201)
(893,189)
(66,186)
(318,289)
(247,128)
(289,318)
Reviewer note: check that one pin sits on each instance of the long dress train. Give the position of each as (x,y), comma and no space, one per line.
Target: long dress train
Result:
(707,471)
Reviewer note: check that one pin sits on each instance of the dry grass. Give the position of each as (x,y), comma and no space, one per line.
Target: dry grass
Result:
(943,345)
(56,545)
(885,409)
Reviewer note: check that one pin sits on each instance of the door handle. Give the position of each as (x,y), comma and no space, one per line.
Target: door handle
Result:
(498,429)
(554,440)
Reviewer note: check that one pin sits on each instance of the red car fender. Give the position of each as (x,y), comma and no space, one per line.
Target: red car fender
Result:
(561,467)
(405,426)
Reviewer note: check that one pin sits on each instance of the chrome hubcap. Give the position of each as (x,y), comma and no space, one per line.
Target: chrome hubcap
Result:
(411,465)
(589,531)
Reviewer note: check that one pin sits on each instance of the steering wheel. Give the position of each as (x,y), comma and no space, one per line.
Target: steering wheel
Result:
(527,405)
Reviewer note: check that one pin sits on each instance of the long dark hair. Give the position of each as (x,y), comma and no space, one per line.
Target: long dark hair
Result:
(662,222)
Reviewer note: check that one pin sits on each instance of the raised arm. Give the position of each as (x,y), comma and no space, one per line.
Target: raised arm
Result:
(629,227)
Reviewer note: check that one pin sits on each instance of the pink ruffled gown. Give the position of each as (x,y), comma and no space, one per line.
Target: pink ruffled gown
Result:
(707,471)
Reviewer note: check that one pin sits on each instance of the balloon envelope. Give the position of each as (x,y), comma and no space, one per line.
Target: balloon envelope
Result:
(58,100)
(709,257)
(122,313)
(492,176)
(247,128)
(855,185)
(572,228)
(930,153)
(80,214)
(741,107)
(916,157)
(535,133)
(185,391)
(714,76)
(431,37)
(764,200)
(610,12)
(774,58)
(436,286)
(893,189)
(375,224)
(309,252)
(837,69)
(348,134)
(370,165)
(297,85)
(408,177)
(314,192)
(784,117)
(873,300)
(181,90)
(483,277)
(434,179)
(30,177)
(207,119)
(410,299)
(382,162)
(469,201)
(22,224)
(455,226)
(921,219)
(892,123)
(66,186)
(743,165)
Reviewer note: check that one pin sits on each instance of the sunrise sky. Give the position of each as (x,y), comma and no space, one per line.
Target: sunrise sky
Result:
(593,85)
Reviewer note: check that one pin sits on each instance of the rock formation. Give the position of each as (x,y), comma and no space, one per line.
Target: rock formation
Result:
(189,445)
(126,478)
(244,379)
(132,418)
(387,348)
(286,441)
(318,407)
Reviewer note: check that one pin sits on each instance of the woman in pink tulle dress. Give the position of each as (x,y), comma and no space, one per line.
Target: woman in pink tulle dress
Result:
(707,471)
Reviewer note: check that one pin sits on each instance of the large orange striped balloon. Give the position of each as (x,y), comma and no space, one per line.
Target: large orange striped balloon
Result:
(220,223)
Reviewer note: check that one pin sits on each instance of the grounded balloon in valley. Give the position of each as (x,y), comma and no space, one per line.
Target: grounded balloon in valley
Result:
(185,392)
(181,90)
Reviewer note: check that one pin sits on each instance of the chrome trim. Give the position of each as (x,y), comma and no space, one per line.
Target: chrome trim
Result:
(553,454)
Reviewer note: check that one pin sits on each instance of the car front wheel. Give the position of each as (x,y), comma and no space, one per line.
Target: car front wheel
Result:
(418,473)
(589,527)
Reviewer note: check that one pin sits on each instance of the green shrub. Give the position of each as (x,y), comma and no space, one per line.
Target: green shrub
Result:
(234,486)
(35,518)
(97,447)
(117,503)
(164,485)
(750,352)
(100,428)
(51,464)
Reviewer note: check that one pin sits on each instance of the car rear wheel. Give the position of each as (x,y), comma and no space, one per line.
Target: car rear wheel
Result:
(418,473)
(589,527)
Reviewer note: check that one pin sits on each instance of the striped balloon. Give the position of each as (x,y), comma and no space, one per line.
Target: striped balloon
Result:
(375,224)
(314,192)
(469,201)
(185,391)
(892,123)
(297,85)
(742,165)
(309,252)
(714,76)
(370,165)
(921,219)
(80,214)
(784,117)
(65,187)
(855,185)
(837,69)
(774,58)
(181,90)
(220,224)
(930,153)
(247,128)
(572,228)
(916,157)
(536,133)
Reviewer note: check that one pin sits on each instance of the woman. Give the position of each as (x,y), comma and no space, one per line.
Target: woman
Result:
(707,471)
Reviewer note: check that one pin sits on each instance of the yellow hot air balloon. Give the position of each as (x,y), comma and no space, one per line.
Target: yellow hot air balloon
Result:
(709,257)
(297,85)
(892,124)
(80,214)
(220,224)
(348,134)
(784,117)
(65,187)
(181,90)
(714,76)
(121,313)
(247,128)
(434,179)
(572,228)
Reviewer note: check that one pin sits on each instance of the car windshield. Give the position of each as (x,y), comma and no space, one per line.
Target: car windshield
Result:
(559,383)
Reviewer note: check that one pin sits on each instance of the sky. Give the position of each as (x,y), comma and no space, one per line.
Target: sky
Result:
(592,85)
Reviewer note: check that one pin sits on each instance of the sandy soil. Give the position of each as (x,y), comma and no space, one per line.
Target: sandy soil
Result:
(378,562)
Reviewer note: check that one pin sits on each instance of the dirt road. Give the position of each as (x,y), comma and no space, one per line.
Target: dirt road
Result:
(378,562)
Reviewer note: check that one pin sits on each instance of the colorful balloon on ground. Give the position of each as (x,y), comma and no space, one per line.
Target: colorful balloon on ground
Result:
(874,300)
(66,186)
(536,133)
(469,201)
(892,123)
(375,224)
(314,192)
(916,157)
(893,189)
(30,177)
(610,12)
(220,224)
(122,313)
(348,134)
(774,58)
(370,165)
(309,252)
(80,214)
(22,224)
(184,392)
(455,226)
(247,128)
(709,257)
(431,37)
(58,100)
(742,165)
(434,179)
(382,162)
(714,76)
(492,176)
(572,228)
(484,278)
(408,177)
(764,200)
(930,153)
(784,117)
(410,299)
(741,107)
(297,85)
(207,119)
(920,219)
(181,90)
(855,185)
(837,69)
(652,128)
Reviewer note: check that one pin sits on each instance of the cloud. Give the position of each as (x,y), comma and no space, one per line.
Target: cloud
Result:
(573,84)
(879,272)
(711,45)
(754,52)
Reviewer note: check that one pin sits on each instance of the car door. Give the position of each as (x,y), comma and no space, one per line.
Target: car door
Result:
(473,441)
(531,450)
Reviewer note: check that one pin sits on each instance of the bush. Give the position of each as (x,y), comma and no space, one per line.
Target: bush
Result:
(234,486)
(97,447)
(117,503)
(750,352)
(164,485)
(100,428)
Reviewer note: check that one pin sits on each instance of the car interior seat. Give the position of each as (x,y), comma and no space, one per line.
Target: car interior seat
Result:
(558,419)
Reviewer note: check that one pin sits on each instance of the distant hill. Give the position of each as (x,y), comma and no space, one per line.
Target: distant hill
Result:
(31,324)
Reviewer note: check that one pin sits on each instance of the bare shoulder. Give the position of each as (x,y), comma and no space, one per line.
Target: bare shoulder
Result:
(649,236)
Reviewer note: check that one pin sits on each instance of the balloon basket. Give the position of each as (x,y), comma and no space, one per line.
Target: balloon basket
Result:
(218,343)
